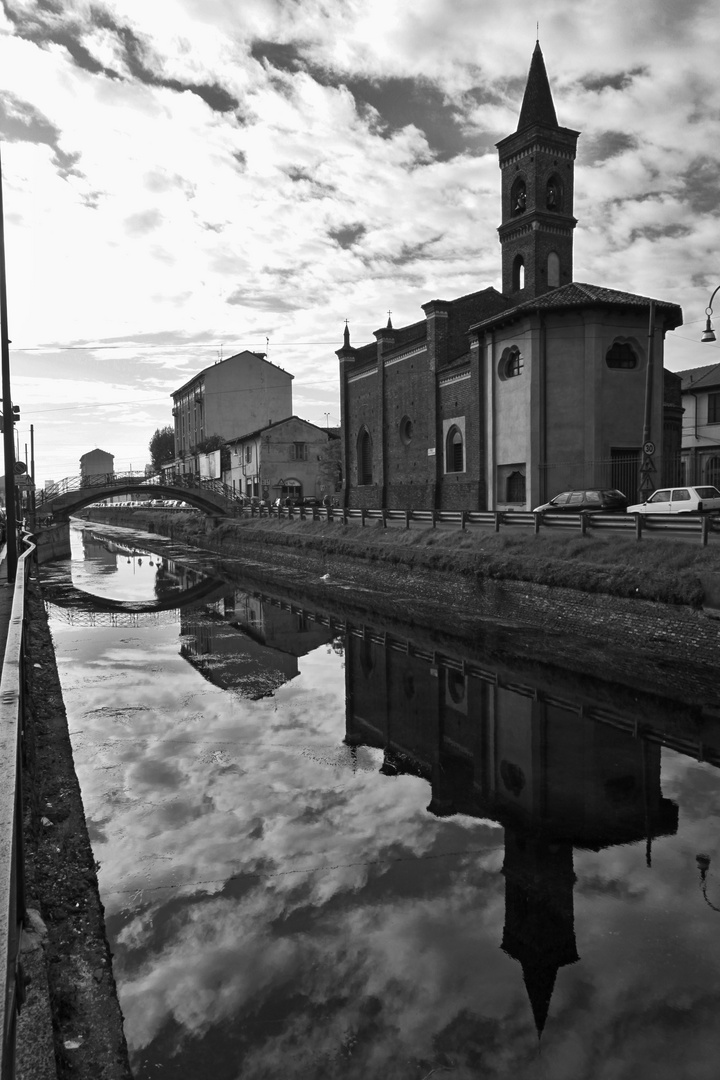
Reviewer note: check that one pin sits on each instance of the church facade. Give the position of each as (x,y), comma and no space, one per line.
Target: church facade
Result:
(500,400)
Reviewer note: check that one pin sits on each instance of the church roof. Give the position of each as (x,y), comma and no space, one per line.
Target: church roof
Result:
(700,377)
(577,295)
(537,106)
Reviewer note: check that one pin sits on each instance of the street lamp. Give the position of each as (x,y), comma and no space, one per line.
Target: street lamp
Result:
(708,333)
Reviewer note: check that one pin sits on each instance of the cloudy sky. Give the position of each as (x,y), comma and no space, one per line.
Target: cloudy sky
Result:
(185,178)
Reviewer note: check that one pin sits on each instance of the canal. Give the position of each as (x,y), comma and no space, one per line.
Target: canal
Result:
(327,851)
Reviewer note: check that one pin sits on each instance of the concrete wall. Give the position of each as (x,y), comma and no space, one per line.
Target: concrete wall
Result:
(53,542)
(245,393)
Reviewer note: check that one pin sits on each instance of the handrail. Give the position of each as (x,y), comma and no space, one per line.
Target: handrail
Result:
(12,875)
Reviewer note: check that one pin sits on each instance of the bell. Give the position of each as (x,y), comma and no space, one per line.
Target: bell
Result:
(708,333)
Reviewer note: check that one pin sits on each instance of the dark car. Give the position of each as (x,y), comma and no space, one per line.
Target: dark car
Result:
(601,500)
(310,500)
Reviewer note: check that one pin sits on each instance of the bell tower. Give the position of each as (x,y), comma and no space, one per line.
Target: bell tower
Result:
(537,165)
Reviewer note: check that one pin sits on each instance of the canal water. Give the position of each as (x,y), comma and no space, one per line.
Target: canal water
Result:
(327,851)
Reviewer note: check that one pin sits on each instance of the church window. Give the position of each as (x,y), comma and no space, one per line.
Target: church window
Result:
(553,194)
(518,273)
(454,451)
(518,197)
(511,363)
(621,355)
(406,429)
(515,488)
(553,270)
(364,457)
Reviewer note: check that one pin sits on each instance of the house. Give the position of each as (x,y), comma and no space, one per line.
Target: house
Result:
(285,458)
(96,463)
(701,424)
(502,399)
(242,393)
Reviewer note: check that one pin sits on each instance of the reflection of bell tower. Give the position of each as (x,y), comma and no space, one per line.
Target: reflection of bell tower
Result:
(537,164)
(539,918)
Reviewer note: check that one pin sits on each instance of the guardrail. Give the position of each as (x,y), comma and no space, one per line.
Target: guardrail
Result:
(637,525)
(12,878)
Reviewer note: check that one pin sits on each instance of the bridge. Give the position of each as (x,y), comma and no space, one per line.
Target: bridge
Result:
(65,498)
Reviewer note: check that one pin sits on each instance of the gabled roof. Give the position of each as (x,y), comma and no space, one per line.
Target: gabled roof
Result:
(275,423)
(700,378)
(537,106)
(578,295)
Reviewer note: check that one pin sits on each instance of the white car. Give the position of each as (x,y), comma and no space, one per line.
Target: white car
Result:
(680,500)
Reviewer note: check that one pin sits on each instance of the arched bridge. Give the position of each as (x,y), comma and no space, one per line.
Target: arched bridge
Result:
(74,492)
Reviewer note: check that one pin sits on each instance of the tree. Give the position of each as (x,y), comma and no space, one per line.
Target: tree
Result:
(162,447)
(330,466)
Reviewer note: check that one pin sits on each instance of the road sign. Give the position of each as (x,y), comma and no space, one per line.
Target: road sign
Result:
(647,467)
(649,448)
(24,482)
(20,468)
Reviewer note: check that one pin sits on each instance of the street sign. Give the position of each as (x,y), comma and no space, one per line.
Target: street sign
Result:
(647,467)
(20,468)
(24,482)
(649,448)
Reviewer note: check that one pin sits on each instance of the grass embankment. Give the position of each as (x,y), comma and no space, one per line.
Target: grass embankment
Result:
(665,570)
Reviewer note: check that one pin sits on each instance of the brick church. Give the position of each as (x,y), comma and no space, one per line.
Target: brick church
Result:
(502,400)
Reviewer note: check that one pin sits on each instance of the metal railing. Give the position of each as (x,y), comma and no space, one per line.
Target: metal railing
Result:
(110,480)
(630,525)
(12,876)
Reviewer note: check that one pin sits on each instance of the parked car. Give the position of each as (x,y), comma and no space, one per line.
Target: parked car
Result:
(311,500)
(605,500)
(680,500)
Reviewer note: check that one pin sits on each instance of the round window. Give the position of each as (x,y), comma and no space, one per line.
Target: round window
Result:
(406,429)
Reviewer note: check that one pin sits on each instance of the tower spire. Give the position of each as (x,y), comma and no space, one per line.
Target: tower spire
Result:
(537,106)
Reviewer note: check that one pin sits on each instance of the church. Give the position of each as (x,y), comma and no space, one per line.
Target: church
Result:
(500,400)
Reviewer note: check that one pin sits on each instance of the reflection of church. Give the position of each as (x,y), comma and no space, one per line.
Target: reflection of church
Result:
(554,779)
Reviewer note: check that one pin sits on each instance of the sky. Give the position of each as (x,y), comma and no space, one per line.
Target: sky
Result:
(183,179)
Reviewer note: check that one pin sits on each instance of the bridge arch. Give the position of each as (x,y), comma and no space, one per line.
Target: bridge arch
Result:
(74,493)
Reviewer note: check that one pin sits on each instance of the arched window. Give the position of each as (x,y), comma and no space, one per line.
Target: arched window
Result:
(518,273)
(515,488)
(454,451)
(553,270)
(518,196)
(364,457)
(621,355)
(554,194)
(712,471)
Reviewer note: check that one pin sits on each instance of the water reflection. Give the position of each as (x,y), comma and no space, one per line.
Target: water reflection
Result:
(328,851)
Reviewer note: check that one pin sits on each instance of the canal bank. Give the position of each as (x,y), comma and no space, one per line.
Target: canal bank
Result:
(637,616)
(71,1025)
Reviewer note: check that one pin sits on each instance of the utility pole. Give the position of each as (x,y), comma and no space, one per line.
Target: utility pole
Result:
(7,409)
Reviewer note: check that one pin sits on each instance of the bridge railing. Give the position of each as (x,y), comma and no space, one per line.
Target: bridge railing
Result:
(12,875)
(106,481)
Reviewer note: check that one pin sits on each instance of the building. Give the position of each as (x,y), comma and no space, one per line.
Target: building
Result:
(701,424)
(96,463)
(280,459)
(243,393)
(501,400)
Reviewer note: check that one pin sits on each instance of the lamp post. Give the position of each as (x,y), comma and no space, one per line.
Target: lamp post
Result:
(708,333)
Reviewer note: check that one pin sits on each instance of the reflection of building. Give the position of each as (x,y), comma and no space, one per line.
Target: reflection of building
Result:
(248,645)
(99,550)
(554,779)
(502,399)
(701,424)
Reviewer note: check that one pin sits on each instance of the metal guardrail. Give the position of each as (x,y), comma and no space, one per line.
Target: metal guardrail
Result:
(12,878)
(681,525)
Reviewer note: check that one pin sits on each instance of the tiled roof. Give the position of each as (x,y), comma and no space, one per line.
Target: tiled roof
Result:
(578,294)
(707,376)
(268,427)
